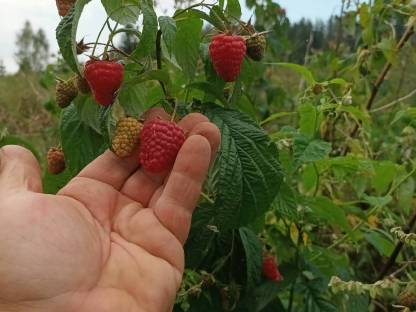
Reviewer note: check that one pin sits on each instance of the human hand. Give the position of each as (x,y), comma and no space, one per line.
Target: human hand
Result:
(110,240)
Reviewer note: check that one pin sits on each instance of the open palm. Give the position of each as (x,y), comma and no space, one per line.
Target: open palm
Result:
(111,240)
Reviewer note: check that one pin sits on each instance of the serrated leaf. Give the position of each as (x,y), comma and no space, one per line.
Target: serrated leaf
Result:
(306,151)
(188,38)
(249,175)
(168,28)
(233,9)
(66,34)
(286,203)
(147,43)
(76,133)
(122,11)
(253,251)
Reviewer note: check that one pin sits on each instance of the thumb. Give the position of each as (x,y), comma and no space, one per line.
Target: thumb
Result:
(19,170)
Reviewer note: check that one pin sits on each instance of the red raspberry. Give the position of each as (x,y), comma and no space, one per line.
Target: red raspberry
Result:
(270,269)
(104,79)
(227,54)
(160,141)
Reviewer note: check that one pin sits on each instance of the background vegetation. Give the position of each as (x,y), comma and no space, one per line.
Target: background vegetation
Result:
(336,99)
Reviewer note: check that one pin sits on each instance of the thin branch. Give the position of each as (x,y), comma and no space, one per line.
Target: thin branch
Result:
(398,101)
(159,59)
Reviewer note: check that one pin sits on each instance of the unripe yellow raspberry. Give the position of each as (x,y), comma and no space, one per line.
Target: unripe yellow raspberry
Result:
(126,137)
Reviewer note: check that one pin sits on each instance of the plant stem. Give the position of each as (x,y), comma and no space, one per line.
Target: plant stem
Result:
(399,246)
(159,59)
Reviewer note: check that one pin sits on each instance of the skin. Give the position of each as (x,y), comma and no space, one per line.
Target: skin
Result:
(110,240)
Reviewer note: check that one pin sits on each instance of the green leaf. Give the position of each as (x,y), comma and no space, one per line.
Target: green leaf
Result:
(233,9)
(210,89)
(378,201)
(324,209)
(286,203)
(52,183)
(384,174)
(168,28)
(213,20)
(380,242)
(133,100)
(357,113)
(253,250)
(248,174)
(81,143)
(147,43)
(405,195)
(302,70)
(308,119)
(275,116)
(157,75)
(122,11)
(306,151)
(66,34)
(188,38)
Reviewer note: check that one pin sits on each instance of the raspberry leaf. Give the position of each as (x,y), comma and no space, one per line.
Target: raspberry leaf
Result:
(122,11)
(248,174)
(66,35)
(168,28)
(188,38)
(253,252)
(147,43)
(80,142)
(233,9)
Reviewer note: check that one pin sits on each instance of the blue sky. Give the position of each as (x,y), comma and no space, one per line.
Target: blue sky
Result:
(42,13)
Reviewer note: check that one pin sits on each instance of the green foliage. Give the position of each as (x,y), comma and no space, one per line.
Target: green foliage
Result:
(307,170)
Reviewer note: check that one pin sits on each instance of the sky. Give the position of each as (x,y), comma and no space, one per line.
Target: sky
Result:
(43,14)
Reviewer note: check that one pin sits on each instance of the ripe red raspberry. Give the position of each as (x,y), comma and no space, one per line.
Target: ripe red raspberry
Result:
(227,54)
(270,269)
(64,6)
(160,141)
(104,79)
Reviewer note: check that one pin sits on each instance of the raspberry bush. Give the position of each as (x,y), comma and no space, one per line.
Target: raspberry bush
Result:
(309,205)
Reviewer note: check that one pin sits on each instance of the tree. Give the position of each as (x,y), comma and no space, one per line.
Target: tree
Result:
(32,49)
(2,68)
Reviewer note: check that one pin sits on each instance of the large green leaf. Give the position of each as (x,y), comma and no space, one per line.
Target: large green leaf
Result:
(286,203)
(168,28)
(147,43)
(133,99)
(122,11)
(253,251)
(66,34)
(248,172)
(80,142)
(188,38)
(305,150)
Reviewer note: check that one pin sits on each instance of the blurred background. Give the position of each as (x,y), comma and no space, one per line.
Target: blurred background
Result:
(30,61)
